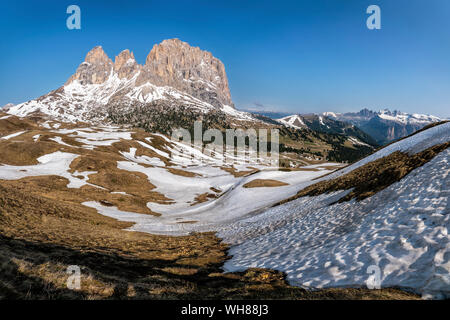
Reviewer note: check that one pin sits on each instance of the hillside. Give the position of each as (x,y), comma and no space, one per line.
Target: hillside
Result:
(69,190)
(389,210)
(59,182)
(178,85)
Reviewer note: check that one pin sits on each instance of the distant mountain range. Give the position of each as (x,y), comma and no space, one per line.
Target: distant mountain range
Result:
(269,114)
(320,123)
(385,126)
(379,127)
(7,106)
(177,85)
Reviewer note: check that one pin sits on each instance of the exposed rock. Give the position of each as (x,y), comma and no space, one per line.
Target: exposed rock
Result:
(95,69)
(385,126)
(175,63)
(125,65)
(6,107)
(172,63)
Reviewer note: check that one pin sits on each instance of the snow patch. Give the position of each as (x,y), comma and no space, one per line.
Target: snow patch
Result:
(12,135)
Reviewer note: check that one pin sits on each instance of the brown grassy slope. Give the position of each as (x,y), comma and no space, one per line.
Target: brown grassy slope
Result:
(238,174)
(41,237)
(24,150)
(14,124)
(259,183)
(373,176)
(44,229)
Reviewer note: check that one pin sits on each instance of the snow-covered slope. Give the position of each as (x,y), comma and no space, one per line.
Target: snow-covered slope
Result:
(230,208)
(402,231)
(76,102)
(294,121)
(411,145)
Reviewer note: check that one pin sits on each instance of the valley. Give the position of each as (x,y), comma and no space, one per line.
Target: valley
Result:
(91,176)
(76,188)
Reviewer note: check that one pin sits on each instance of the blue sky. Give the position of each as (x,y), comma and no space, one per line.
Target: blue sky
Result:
(294,56)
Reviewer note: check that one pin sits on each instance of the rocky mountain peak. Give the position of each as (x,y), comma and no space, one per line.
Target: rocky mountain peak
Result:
(125,64)
(95,69)
(177,64)
(366,113)
(176,76)
(97,56)
(172,63)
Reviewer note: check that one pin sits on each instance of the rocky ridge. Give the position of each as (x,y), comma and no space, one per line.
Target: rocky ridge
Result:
(174,72)
(385,125)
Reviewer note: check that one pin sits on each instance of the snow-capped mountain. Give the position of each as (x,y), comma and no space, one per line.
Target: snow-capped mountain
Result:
(178,85)
(174,72)
(294,121)
(7,106)
(385,126)
(325,124)
(406,118)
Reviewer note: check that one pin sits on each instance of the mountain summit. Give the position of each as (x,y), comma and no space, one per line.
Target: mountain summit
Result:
(175,74)
(96,68)
(176,64)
